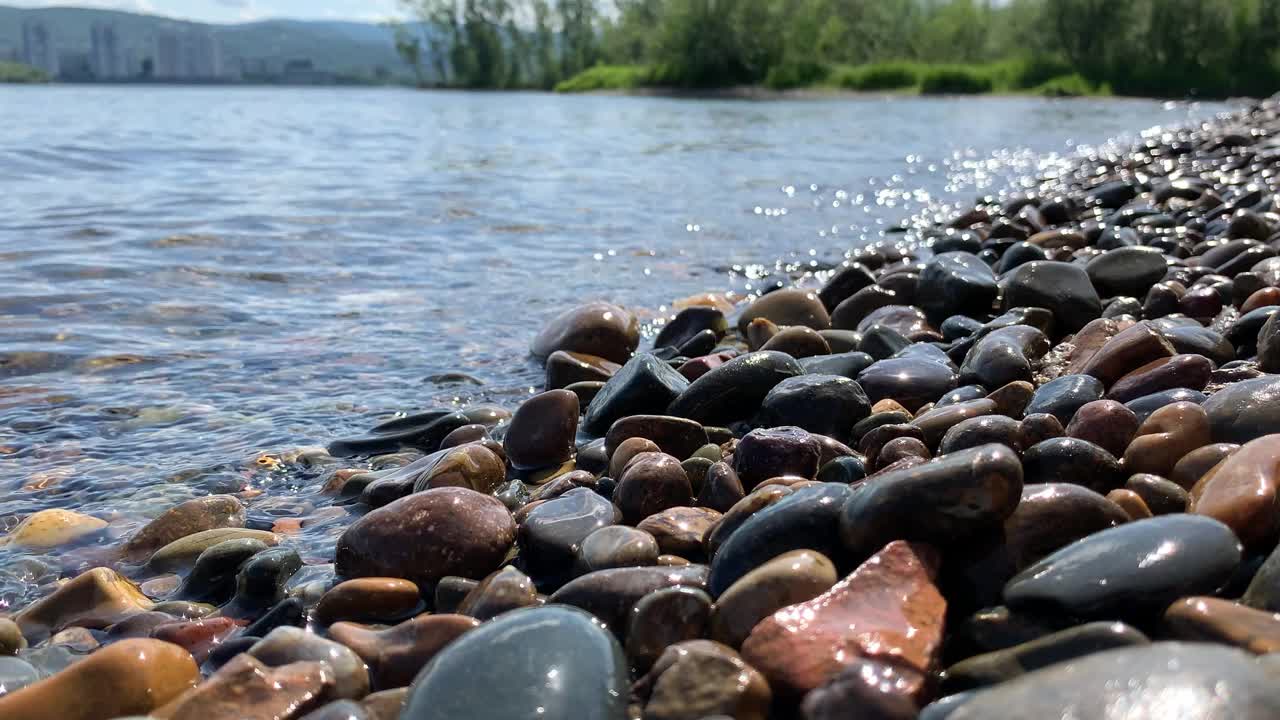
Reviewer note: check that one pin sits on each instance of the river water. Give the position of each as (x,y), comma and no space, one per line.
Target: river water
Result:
(192,276)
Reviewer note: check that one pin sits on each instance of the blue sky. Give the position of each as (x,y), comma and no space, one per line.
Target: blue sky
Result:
(230,11)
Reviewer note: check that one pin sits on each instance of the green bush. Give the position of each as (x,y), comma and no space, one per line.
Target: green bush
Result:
(1073,85)
(12,72)
(607,77)
(956,80)
(881,76)
(796,73)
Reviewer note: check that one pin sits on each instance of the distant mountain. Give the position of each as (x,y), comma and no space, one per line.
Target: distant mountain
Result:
(350,48)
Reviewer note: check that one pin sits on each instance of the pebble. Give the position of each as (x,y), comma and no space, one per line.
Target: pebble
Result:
(1126,351)
(11,639)
(616,546)
(52,528)
(1243,491)
(554,662)
(598,328)
(866,688)
(505,590)
(957,283)
(369,598)
(187,518)
(822,404)
(768,453)
(96,598)
(703,679)
(1062,288)
(16,674)
(611,595)
(428,535)
(1070,459)
(787,307)
(644,386)
(680,530)
(1130,571)
(566,369)
(551,535)
(542,430)
(1165,437)
(131,677)
(1210,619)
(1063,646)
(395,654)
(1062,397)
(1054,515)
(184,551)
(651,483)
(1180,371)
(664,618)
(888,608)
(1136,683)
(789,579)
(1245,410)
(734,391)
(1106,424)
(248,689)
(286,646)
(911,381)
(675,436)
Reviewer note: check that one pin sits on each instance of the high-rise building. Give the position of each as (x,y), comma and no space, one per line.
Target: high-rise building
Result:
(104,52)
(195,54)
(166,59)
(38,48)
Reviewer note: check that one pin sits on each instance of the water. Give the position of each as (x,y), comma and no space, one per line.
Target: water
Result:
(190,277)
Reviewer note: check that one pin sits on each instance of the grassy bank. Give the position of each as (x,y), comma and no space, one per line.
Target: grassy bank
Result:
(1038,77)
(12,72)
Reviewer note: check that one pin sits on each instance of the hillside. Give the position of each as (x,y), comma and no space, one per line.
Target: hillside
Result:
(339,47)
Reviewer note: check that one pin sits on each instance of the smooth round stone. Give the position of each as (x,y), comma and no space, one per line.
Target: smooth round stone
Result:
(340,710)
(1201,681)
(982,430)
(1208,619)
(1162,496)
(1126,271)
(1063,646)
(1180,371)
(183,519)
(542,430)
(1131,502)
(1052,516)
(903,321)
(935,423)
(471,466)
(911,381)
(611,595)
(370,598)
(882,341)
(394,655)
(551,535)
(1263,592)
(846,364)
(616,546)
(1201,341)
(888,607)
(805,519)
(245,685)
(621,456)
(678,437)
(798,342)
(131,677)
(1245,411)
(845,470)
(185,550)
(688,324)
(680,530)
(213,577)
(1124,351)
(1062,288)
(957,283)
(866,688)
(503,591)
(96,598)
(198,637)
(961,395)
(769,453)
(645,385)
(759,499)
(11,639)
(944,708)
(1244,332)
(1105,423)
(1243,492)
(261,580)
(1130,571)
(788,306)
(703,679)
(1269,344)
(848,279)
(791,578)
(286,645)
(1068,459)
(1004,355)
(597,328)
(428,535)
(565,369)
(464,435)
(663,618)
(423,431)
(1143,407)
(822,404)
(16,674)
(1165,437)
(1063,396)
(721,488)
(53,527)
(651,483)
(734,390)
(946,500)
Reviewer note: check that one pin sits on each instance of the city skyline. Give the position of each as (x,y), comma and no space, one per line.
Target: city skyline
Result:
(238,11)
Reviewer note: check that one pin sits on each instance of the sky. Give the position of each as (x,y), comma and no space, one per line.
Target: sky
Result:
(231,11)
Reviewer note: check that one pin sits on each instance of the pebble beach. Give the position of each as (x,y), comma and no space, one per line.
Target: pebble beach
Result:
(1018,461)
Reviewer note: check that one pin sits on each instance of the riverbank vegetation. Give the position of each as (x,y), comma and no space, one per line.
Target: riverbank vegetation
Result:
(12,72)
(1166,48)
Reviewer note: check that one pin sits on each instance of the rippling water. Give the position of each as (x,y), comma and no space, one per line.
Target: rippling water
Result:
(192,276)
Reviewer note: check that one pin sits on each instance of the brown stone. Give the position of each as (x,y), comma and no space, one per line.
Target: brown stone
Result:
(1131,502)
(1243,492)
(473,466)
(1012,399)
(760,331)
(759,499)
(721,488)
(626,451)
(1128,350)
(131,677)
(385,705)
(187,518)
(674,436)
(1085,344)
(888,608)
(96,599)
(651,483)
(198,637)
(1105,423)
(597,328)
(367,598)
(1180,371)
(1209,619)
(789,579)
(788,306)
(246,689)
(699,679)
(182,553)
(868,690)
(396,654)
(542,430)
(680,530)
(51,528)
(798,342)
(566,368)
(428,535)
(1265,297)
(506,589)
(1193,466)
(1165,437)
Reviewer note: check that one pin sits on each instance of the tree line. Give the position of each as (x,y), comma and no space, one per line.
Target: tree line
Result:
(1208,48)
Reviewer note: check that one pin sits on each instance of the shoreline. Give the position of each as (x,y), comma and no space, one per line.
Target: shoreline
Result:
(1049,404)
